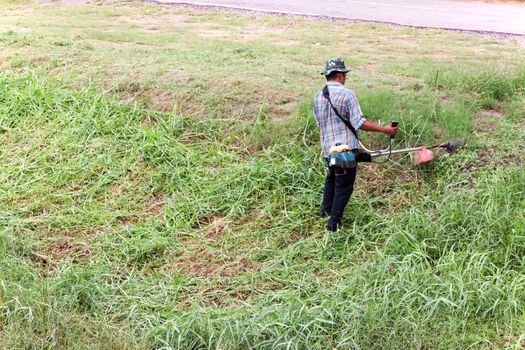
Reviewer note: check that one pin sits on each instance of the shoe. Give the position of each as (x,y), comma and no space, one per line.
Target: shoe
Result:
(331,228)
(324,214)
(333,224)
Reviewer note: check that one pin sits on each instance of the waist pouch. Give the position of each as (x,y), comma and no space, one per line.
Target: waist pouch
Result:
(349,159)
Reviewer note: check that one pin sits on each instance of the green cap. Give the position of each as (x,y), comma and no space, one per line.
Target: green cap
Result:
(335,65)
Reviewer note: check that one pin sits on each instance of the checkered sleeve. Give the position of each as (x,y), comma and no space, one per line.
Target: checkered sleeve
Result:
(354,111)
(317,107)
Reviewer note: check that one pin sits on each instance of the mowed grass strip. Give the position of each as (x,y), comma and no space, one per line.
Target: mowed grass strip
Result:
(189,221)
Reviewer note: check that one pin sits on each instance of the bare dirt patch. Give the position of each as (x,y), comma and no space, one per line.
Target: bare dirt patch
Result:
(208,264)
(214,226)
(487,120)
(215,33)
(155,204)
(153,207)
(242,34)
(288,43)
(445,100)
(205,254)
(66,248)
(484,158)
(375,181)
(208,30)
(257,30)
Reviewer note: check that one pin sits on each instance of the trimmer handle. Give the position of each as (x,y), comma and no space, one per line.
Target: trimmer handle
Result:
(393,123)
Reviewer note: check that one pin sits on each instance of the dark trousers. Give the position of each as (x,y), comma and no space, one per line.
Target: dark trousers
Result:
(338,188)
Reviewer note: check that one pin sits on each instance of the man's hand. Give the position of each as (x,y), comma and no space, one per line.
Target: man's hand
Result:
(390,130)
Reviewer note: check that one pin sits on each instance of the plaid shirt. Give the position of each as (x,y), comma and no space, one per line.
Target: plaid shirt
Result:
(333,130)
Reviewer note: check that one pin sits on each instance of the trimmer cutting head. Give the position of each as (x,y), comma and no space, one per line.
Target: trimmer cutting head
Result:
(424,155)
(452,146)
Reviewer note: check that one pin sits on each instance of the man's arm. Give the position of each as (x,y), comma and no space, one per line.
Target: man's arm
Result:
(389,130)
(354,110)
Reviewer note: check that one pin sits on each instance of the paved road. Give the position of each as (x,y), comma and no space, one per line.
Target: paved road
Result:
(450,14)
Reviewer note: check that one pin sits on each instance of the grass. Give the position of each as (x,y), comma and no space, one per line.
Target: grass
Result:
(148,201)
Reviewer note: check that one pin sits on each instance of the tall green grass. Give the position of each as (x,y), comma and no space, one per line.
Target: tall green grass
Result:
(491,86)
(107,232)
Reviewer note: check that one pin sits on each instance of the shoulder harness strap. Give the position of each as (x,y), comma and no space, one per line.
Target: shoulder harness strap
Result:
(349,125)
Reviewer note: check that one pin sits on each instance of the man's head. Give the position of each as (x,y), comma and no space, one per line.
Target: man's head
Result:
(335,70)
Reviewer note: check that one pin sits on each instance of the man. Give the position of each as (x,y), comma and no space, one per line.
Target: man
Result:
(339,182)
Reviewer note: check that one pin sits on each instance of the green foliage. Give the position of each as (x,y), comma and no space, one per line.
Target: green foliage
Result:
(491,86)
(515,109)
(452,256)
(123,227)
(456,120)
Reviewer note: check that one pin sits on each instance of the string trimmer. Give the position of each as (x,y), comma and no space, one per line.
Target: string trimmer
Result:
(342,156)
(423,153)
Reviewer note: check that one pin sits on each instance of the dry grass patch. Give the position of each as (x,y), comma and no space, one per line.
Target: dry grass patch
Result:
(488,120)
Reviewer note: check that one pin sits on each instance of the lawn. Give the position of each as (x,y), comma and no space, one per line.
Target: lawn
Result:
(161,173)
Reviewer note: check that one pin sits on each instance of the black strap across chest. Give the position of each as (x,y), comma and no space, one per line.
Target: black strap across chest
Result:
(349,125)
